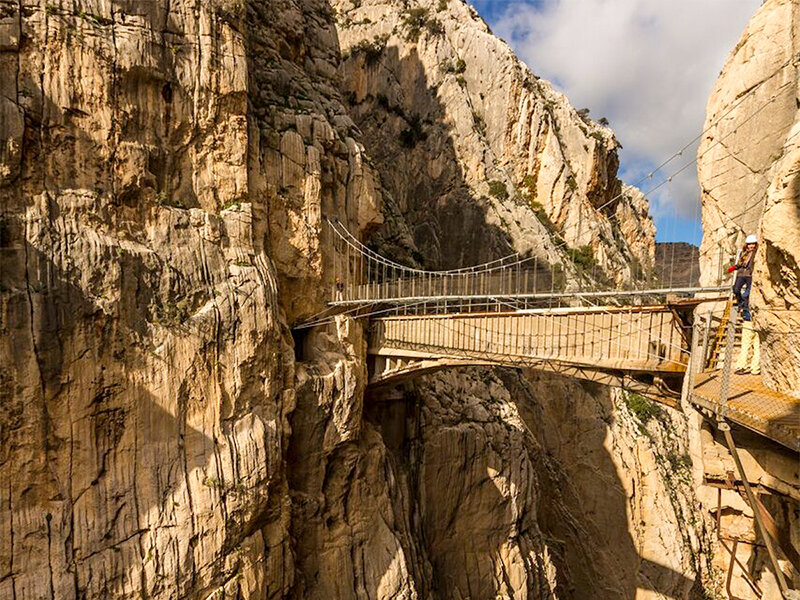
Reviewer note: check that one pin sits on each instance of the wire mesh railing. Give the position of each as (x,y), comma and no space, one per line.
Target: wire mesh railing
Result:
(361,276)
(726,379)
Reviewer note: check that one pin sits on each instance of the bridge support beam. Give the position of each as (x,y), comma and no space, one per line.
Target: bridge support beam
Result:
(757,507)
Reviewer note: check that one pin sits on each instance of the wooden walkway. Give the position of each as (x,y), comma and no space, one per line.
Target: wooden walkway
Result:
(641,338)
(640,348)
(752,405)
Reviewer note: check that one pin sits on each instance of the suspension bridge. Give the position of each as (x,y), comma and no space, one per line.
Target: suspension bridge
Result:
(527,312)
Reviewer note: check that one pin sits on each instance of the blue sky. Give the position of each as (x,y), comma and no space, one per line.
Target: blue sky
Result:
(646,65)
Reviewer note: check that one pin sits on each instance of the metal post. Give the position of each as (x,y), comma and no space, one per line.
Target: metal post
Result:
(729,578)
(370,279)
(693,358)
(468,289)
(706,335)
(344,272)
(726,369)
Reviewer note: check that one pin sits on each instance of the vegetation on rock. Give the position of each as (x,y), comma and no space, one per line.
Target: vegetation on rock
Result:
(498,189)
(416,20)
(583,257)
(371,50)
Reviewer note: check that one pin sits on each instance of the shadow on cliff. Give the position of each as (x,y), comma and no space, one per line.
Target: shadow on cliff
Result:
(112,424)
(406,134)
(567,482)
(103,442)
(585,508)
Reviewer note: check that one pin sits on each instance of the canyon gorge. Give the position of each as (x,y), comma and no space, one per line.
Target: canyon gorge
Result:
(167,170)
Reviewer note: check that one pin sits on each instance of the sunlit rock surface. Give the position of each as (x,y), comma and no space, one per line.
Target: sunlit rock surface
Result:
(502,158)
(749,171)
(165,171)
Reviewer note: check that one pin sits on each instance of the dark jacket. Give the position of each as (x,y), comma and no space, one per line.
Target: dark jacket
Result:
(744,267)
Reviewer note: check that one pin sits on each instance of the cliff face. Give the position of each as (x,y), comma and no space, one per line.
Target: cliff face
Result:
(438,96)
(749,171)
(678,264)
(164,171)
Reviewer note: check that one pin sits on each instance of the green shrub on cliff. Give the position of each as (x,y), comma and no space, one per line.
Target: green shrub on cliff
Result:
(372,50)
(543,217)
(457,66)
(417,20)
(583,257)
(498,189)
(642,408)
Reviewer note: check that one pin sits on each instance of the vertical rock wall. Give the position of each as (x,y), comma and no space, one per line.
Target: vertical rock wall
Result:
(143,367)
(749,171)
(511,164)
(165,168)
(162,171)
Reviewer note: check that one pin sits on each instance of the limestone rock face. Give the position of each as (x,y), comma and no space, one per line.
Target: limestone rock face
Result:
(617,492)
(678,264)
(748,169)
(503,158)
(163,168)
(165,172)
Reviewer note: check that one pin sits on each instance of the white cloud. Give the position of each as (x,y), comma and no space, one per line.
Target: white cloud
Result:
(646,65)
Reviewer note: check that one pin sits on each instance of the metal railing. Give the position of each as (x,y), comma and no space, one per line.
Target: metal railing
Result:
(361,276)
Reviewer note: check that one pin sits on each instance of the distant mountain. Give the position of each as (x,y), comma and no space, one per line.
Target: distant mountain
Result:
(678,264)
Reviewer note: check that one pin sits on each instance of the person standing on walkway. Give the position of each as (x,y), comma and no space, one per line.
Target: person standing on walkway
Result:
(744,275)
(745,364)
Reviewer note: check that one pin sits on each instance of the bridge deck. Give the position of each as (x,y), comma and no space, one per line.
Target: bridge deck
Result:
(643,338)
(610,344)
(751,404)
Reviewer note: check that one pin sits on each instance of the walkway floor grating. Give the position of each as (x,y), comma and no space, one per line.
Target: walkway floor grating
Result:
(753,405)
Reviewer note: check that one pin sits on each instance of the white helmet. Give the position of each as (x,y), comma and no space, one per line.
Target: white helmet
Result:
(751,239)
